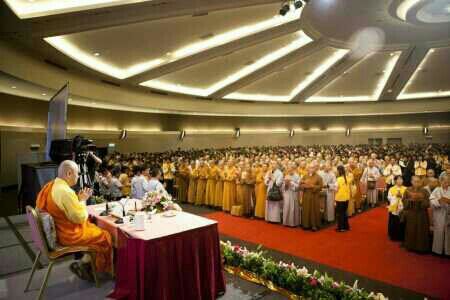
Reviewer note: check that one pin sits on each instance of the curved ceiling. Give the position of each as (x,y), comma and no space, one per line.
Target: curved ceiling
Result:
(328,51)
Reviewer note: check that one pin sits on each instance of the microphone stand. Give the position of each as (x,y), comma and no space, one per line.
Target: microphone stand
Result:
(106,211)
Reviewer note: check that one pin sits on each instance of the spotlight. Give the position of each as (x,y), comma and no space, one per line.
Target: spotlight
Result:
(182,135)
(237,132)
(347,132)
(284,9)
(123,134)
(298,4)
(292,133)
(426,131)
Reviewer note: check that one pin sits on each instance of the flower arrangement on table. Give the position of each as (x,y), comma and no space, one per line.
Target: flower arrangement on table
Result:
(288,279)
(159,201)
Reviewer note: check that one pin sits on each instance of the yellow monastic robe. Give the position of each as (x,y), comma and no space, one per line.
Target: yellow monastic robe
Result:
(71,223)
(201,185)
(261,194)
(302,171)
(218,195)
(182,180)
(192,189)
(229,188)
(239,189)
(211,186)
(351,202)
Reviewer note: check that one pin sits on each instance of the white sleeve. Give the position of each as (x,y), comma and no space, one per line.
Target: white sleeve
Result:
(279,179)
(434,198)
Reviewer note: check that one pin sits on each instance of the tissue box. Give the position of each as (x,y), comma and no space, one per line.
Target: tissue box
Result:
(236,210)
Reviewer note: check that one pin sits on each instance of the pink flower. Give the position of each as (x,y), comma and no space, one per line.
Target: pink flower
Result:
(313,281)
(335,285)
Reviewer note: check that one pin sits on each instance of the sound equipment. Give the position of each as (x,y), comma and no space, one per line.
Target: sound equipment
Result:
(61,150)
(34,177)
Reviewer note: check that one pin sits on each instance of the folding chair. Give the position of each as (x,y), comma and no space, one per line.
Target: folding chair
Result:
(40,241)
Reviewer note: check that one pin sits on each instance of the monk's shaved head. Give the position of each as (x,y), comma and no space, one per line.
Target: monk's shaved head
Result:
(68,171)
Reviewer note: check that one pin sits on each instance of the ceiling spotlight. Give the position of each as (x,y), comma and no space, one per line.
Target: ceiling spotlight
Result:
(44,94)
(292,133)
(347,132)
(284,9)
(96,54)
(182,135)
(298,4)
(425,131)
(14,87)
(389,90)
(237,132)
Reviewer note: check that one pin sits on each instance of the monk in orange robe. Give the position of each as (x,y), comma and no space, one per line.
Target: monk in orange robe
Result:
(71,218)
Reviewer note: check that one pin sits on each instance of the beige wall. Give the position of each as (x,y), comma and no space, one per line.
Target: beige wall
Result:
(26,113)
(16,144)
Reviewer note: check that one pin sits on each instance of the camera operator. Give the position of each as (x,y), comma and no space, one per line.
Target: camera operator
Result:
(87,161)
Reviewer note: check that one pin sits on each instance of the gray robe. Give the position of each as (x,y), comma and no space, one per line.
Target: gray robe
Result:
(274,208)
(329,179)
(291,207)
(441,221)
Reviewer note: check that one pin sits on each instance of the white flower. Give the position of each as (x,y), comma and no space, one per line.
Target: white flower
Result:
(303,272)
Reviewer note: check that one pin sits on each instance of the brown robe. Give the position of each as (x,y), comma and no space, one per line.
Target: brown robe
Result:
(415,216)
(357,196)
(311,201)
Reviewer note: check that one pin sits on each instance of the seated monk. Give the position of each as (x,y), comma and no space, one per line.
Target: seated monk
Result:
(71,220)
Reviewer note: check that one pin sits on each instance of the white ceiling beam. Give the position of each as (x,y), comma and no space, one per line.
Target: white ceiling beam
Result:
(407,64)
(331,74)
(214,52)
(92,19)
(273,67)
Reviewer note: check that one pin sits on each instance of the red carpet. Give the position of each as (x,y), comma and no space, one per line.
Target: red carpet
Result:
(365,250)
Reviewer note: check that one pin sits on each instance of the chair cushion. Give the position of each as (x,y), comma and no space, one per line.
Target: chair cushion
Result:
(48,226)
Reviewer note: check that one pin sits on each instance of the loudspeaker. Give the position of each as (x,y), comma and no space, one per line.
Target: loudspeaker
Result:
(34,177)
(61,150)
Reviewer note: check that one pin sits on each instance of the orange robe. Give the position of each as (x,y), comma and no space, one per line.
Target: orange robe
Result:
(192,188)
(201,185)
(218,195)
(260,192)
(72,234)
(211,186)
(229,188)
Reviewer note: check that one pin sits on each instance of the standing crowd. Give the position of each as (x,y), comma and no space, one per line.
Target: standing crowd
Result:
(307,186)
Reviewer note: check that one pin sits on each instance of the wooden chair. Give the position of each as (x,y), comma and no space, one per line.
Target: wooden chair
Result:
(40,242)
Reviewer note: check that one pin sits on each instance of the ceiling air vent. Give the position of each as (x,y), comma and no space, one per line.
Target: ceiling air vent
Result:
(52,63)
(200,14)
(159,92)
(110,82)
(207,36)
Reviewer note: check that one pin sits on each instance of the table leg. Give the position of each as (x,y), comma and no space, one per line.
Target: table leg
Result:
(22,242)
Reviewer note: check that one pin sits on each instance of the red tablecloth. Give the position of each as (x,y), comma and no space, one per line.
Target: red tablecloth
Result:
(185,265)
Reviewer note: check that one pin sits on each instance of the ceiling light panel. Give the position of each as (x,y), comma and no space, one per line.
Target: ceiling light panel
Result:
(364,81)
(431,79)
(284,84)
(25,9)
(204,80)
(128,50)
(404,7)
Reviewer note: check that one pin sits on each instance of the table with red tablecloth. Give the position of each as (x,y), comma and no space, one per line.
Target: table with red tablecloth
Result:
(173,258)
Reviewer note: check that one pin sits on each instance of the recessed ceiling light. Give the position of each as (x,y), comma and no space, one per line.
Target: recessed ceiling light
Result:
(168,53)
(14,87)
(96,54)
(93,103)
(44,94)
(389,90)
